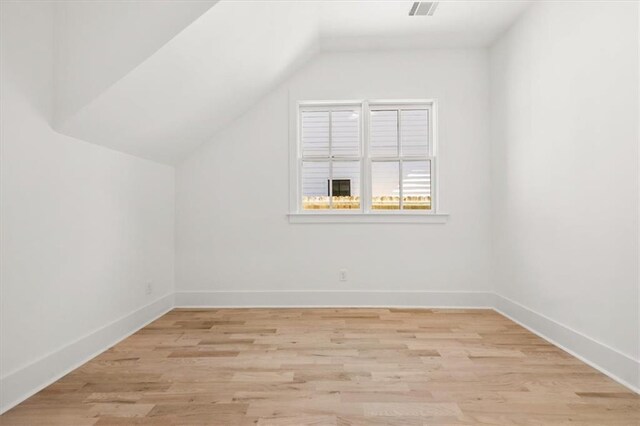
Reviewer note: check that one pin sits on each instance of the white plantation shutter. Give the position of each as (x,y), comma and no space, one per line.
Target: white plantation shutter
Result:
(345,133)
(315,133)
(383,138)
(414,132)
(315,175)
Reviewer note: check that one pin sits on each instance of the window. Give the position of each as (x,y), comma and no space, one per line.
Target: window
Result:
(331,157)
(364,157)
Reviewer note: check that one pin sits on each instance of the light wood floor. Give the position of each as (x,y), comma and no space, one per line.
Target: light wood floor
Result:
(331,367)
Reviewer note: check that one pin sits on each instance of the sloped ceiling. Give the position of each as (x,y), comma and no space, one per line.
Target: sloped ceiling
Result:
(353,25)
(100,41)
(178,97)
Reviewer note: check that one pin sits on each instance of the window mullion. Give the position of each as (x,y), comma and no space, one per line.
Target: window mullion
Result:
(365,167)
(330,160)
(429,130)
(330,184)
(299,196)
(399,133)
(400,183)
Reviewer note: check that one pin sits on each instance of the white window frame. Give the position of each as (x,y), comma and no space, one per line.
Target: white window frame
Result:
(365,214)
(329,158)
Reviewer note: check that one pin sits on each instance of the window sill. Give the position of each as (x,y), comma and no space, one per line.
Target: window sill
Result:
(430,218)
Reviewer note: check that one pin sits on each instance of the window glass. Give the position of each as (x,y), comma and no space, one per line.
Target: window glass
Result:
(315,175)
(346,185)
(385,189)
(416,185)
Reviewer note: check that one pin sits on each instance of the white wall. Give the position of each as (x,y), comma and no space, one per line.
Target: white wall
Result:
(83,227)
(232,194)
(565,170)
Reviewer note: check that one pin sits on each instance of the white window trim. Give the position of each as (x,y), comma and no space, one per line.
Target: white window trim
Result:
(365,214)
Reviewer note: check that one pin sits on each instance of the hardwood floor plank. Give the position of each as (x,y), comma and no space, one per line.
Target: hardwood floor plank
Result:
(336,367)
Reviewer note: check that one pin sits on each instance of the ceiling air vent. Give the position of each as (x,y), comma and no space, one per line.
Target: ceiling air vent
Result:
(423,8)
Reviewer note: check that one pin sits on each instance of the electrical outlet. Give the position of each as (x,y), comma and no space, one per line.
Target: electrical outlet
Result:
(343,275)
(149,288)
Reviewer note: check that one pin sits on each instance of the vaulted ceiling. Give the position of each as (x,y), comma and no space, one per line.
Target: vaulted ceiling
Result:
(157,79)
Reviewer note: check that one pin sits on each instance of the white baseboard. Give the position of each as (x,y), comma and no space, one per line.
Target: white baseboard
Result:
(387,299)
(19,385)
(618,366)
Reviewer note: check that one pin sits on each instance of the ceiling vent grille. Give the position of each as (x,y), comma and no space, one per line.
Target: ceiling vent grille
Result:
(423,8)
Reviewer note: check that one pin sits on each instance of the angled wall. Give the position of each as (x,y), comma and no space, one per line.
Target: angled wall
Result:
(84,228)
(564,89)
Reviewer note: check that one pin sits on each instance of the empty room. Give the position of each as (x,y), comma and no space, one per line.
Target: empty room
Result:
(319,212)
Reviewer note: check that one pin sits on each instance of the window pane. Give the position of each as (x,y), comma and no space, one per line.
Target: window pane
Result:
(346,185)
(345,133)
(416,185)
(315,133)
(315,175)
(384,133)
(385,193)
(414,132)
